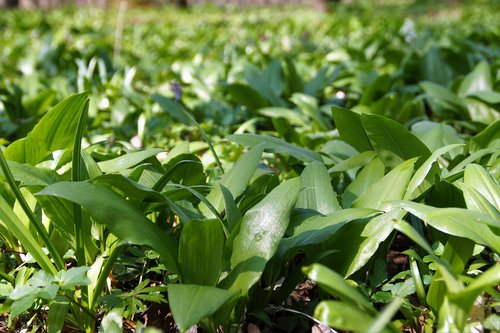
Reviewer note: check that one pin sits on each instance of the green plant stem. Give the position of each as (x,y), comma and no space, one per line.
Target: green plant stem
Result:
(7,277)
(76,171)
(39,227)
(207,139)
(103,275)
(81,307)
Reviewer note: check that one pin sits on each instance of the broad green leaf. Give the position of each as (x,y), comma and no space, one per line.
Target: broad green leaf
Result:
(317,191)
(112,322)
(200,252)
(235,180)
(351,129)
(275,145)
(191,303)
(359,240)
(309,105)
(125,221)
(58,310)
(481,112)
(437,135)
(486,136)
(472,158)
(335,285)
(476,226)
(443,101)
(369,175)
(456,253)
(387,135)
(17,228)
(75,276)
(261,231)
(185,169)
(477,202)
(477,80)
(292,116)
(357,161)
(21,305)
(126,161)
(458,302)
(55,131)
(247,96)
(344,316)
(423,171)
(488,279)
(486,96)
(29,175)
(175,109)
(129,188)
(434,68)
(391,187)
(478,178)
(317,229)
(233,214)
(384,318)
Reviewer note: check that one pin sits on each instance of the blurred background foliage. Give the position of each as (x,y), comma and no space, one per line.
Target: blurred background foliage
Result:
(230,66)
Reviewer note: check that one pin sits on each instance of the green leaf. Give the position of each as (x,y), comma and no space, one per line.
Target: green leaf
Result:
(456,253)
(21,305)
(478,177)
(434,68)
(387,135)
(175,109)
(292,116)
(344,316)
(309,106)
(261,231)
(422,172)
(459,222)
(486,136)
(444,102)
(125,221)
(29,175)
(487,96)
(246,95)
(384,318)
(477,80)
(477,202)
(235,180)
(317,191)
(437,135)
(317,229)
(112,322)
(359,240)
(335,285)
(192,303)
(75,276)
(368,176)
(200,252)
(351,129)
(55,131)
(17,228)
(275,145)
(391,187)
(58,310)
(233,214)
(126,161)
(357,161)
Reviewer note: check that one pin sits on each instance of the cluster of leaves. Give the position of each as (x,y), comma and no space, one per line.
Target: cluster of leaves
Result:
(321,151)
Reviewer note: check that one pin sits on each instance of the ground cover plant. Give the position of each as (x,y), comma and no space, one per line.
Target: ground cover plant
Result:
(255,171)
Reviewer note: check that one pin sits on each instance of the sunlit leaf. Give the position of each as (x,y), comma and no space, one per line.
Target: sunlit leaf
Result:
(191,303)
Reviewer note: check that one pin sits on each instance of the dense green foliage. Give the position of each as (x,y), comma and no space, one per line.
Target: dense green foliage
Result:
(211,162)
